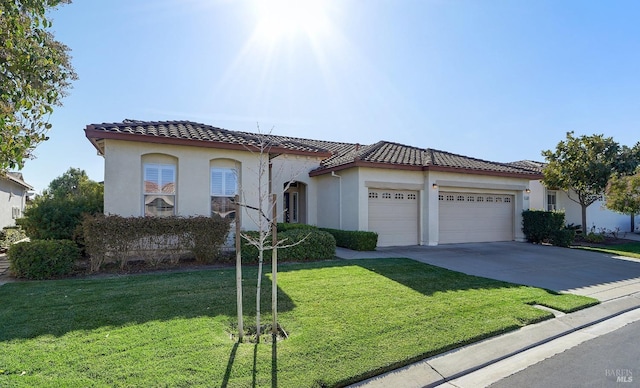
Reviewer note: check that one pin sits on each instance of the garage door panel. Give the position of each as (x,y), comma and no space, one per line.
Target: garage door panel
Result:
(471,217)
(393,214)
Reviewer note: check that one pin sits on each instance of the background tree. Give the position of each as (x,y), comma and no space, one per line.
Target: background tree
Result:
(57,213)
(581,166)
(35,73)
(623,195)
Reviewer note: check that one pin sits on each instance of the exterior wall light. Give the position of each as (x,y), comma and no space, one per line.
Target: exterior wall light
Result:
(435,185)
(527,190)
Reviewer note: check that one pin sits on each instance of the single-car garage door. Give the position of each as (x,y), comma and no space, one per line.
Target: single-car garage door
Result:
(393,214)
(475,217)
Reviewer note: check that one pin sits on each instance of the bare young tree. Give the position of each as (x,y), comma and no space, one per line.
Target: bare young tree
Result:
(264,216)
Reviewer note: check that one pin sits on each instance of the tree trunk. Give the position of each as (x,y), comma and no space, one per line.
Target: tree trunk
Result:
(584,219)
(274,269)
(260,257)
(633,222)
(239,271)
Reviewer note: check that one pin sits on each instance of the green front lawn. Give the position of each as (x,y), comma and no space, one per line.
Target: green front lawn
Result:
(346,320)
(629,250)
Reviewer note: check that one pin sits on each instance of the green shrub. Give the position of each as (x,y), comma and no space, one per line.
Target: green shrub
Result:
(538,226)
(354,239)
(42,259)
(307,244)
(56,218)
(10,235)
(594,237)
(283,227)
(563,237)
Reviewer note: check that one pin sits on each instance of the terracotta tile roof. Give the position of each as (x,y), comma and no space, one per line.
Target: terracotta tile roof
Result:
(166,131)
(336,155)
(399,155)
(529,164)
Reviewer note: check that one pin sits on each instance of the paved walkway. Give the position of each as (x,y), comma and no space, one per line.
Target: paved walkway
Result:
(485,362)
(4,269)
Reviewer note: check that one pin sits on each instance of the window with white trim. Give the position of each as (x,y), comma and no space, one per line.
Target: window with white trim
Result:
(159,189)
(551,201)
(224,186)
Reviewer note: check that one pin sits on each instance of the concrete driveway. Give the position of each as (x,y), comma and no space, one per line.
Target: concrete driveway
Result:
(577,271)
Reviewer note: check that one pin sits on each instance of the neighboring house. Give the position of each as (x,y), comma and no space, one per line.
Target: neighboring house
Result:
(599,218)
(408,195)
(13,196)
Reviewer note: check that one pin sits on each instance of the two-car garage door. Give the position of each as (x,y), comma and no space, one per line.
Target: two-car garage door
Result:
(475,217)
(462,217)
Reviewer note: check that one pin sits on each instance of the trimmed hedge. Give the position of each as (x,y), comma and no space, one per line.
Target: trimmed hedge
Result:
(42,259)
(315,245)
(563,237)
(283,227)
(354,239)
(153,239)
(541,226)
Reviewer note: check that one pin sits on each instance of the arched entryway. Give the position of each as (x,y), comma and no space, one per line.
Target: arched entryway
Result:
(294,203)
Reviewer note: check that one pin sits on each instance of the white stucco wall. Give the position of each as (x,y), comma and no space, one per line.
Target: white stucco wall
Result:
(12,195)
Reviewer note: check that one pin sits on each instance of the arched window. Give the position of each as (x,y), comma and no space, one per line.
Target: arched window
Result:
(224,186)
(159,181)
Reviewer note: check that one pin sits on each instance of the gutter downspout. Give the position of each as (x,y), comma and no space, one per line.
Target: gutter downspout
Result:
(333,174)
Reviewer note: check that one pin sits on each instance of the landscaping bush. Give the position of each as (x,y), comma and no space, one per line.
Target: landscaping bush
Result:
(540,226)
(354,239)
(153,239)
(315,245)
(563,237)
(596,238)
(283,227)
(57,213)
(10,235)
(42,259)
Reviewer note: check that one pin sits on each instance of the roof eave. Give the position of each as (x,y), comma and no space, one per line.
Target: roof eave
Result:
(361,163)
(94,135)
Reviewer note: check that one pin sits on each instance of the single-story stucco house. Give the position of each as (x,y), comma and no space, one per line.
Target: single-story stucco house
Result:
(13,196)
(408,195)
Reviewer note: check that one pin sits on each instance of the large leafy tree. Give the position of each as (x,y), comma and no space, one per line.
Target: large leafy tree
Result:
(623,195)
(581,166)
(35,73)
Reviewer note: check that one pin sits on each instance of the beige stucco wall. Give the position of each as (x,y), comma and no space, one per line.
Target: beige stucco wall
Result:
(355,184)
(328,189)
(123,178)
(287,168)
(123,174)
(11,195)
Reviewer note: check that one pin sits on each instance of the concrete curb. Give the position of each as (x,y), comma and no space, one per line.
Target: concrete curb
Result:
(459,362)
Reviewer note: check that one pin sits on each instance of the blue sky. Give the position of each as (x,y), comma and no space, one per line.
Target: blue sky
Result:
(499,80)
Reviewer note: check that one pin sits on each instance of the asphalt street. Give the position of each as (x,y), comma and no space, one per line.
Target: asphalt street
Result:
(611,360)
